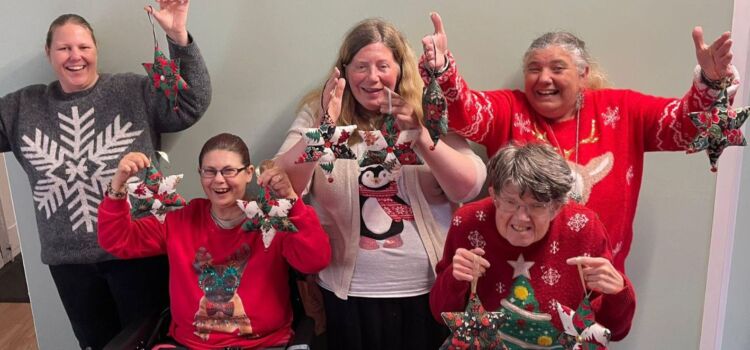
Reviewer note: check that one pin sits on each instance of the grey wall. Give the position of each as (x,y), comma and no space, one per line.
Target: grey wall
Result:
(264,55)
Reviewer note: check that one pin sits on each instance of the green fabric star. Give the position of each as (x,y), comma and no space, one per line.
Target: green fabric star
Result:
(325,144)
(435,109)
(475,328)
(389,146)
(165,75)
(582,332)
(718,128)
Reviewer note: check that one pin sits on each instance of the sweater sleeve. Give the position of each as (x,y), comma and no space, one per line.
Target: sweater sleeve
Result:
(126,238)
(308,249)
(192,102)
(613,311)
(480,116)
(448,293)
(664,123)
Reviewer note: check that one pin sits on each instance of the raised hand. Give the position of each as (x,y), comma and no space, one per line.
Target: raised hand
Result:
(399,108)
(715,60)
(469,264)
(172,17)
(276,178)
(599,274)
(333,93)
(130,164)
(435,45)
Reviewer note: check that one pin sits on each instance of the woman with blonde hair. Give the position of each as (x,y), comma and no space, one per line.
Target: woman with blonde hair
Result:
(387,231)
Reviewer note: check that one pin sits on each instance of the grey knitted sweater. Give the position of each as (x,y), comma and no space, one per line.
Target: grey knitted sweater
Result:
(70,145)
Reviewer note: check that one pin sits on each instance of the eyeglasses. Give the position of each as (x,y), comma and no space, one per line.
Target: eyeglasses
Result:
(208,173)
(508,205)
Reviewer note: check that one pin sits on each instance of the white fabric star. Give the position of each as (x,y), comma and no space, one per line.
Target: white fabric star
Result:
(521,267)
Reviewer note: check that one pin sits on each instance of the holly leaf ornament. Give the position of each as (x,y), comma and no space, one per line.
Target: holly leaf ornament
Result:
(389,146)
(165,76)
(155,194)
(718,128)
(325,144)
(268,214)
(581,331)
(475,328)
(435,108)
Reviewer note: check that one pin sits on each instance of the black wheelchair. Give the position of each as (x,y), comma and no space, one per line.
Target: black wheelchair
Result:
(152,330)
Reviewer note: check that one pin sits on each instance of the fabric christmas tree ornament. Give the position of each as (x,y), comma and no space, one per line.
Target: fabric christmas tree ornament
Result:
(389,147)
(475,328)
(581,331)
(527,327)
(165,73)
(156,194)
(268,214)
(718,128)
(434,105)
(325,144)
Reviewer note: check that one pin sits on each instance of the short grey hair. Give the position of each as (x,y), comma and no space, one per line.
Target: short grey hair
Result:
(534,168)
(571,43)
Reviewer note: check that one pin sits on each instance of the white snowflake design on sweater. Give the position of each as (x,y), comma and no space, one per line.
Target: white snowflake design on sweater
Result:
(522,124)
(611,116)
(500,288)
(476,239)
(481,216)
(550,276)
(552,305)
(629,175)
(456,220)
(578,222)
(67,165)
(554,247)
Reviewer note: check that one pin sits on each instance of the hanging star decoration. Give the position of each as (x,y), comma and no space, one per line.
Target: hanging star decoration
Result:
(581,331)
(527,327)
(434,105)
(475,328)
(268,214)
(389,147)
(156,194)
(325,144)
(165,73)
(718,128)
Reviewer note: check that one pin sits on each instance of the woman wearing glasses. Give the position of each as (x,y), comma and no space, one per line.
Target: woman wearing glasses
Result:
(525,227)
(227,288)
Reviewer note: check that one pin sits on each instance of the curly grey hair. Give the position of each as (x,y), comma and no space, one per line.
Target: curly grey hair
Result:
(577,49)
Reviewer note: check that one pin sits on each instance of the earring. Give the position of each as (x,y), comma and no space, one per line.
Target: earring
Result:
(579,101)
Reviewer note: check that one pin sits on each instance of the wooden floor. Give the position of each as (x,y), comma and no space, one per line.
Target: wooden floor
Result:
(17,327)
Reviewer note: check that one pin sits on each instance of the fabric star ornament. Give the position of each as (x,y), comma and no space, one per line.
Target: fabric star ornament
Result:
(165,76)
(526,327)
(390,146)
(325,144)
(156,194)
(475,328)
(581,331)
(718,128)
(435,107)
(268,214)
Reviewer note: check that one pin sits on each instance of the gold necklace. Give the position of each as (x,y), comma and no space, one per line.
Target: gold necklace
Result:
(575,193)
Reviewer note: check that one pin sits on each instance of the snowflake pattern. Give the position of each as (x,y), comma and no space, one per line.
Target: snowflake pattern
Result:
(551,276)
(481,216)
(611,116)
(554,247)
(552,305)
(616,250)
(578,222)
(476,239)
(522,124)
(500,288)
(81,155)
(456,220)
(629,175)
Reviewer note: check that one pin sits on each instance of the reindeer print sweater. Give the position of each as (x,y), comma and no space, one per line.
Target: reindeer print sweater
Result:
(225,288)
(616,128)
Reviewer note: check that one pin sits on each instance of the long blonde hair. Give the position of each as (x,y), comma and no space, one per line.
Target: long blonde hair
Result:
(409,84)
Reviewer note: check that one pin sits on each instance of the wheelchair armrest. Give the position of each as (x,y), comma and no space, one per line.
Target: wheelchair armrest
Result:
(141,334)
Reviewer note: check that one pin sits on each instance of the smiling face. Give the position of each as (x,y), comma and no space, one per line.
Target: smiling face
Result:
(72,54)
(223,192)
(371,70)
(553,82)
(521,220)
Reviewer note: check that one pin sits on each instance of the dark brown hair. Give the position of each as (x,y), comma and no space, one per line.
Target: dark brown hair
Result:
(226,142)
(65,19)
